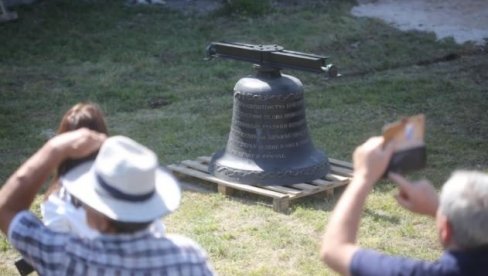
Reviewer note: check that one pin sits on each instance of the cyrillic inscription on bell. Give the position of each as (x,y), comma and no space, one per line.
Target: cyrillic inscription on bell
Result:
(269,142)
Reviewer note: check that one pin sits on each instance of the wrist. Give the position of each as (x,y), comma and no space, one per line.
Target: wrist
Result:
(54,151)
(362,179)
(366,176)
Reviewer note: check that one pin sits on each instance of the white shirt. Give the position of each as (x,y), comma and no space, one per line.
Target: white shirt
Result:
(59,214)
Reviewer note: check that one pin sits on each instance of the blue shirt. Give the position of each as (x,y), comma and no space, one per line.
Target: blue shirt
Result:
(472,263)
(141,253)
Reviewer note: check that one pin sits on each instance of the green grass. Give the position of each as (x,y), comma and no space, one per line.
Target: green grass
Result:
(145,67)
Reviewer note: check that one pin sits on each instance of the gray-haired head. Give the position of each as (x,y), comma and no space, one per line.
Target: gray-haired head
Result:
(464,201)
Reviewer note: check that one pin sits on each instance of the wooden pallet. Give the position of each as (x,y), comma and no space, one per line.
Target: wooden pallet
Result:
(339,175)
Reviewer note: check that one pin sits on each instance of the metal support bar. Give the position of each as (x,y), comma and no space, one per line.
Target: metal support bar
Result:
(272,56)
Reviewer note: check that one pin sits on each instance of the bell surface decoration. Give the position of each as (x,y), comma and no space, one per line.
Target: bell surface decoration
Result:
(269,141)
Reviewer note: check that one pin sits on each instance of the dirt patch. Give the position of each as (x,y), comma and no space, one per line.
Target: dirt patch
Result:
(465,20)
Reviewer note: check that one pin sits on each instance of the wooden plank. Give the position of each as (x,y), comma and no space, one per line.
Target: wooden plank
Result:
(283,189)
(321,182)
(330,184)
(195,165)
(341,171)
(282,196)
(340,163)
(281,205)
(242,187)
(337,178)
(204,168)
(280,189)
(305,187)
(305,193)
(204,159)
(223,189)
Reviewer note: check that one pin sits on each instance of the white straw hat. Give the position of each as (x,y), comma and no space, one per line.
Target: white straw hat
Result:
(125,183)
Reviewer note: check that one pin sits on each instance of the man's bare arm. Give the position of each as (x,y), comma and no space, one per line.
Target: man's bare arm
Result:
(339,241)
(18,193)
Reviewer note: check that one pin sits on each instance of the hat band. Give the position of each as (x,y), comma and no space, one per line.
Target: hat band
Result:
(121,195)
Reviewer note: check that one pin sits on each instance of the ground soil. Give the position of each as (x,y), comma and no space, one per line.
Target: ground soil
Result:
(465,20)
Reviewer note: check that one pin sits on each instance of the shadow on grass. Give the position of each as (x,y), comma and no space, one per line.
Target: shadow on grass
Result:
(381,216)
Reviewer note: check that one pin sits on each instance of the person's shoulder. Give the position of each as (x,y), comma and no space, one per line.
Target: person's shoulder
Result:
(27,233)
(466,262)
(24,221)
(372,262)
(28,225)
(187,252)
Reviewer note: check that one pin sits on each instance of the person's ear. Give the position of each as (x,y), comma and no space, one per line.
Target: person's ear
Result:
(96,220)
(445,230)
(103,224)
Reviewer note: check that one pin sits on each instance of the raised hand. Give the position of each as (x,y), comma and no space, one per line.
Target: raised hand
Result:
(371,159)
(78,143)
(418,197)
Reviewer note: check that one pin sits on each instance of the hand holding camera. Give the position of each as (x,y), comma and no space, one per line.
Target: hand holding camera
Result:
(407,138)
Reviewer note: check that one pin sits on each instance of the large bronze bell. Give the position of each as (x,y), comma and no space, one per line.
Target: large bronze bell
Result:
(269,141)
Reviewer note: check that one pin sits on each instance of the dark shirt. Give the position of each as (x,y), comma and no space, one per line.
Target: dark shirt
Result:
(470,262)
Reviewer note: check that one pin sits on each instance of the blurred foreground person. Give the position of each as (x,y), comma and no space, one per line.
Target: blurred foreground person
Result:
(122,191)
(461,213)
(60,210)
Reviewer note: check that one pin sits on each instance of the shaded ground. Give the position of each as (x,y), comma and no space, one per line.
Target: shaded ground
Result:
(465,20)
(207,6)
(462,20)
